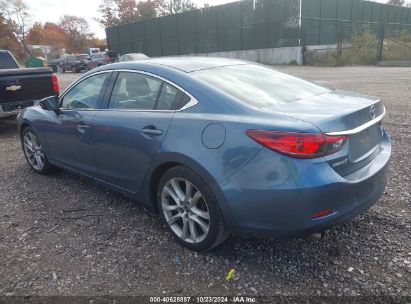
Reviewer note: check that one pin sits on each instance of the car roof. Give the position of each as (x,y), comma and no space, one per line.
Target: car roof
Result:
(190,64)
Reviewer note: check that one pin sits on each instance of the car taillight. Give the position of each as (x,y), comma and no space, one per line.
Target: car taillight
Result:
(108,59)
(55,83)
(298,145)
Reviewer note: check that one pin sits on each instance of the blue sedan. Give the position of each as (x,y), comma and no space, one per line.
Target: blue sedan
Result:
(218,146)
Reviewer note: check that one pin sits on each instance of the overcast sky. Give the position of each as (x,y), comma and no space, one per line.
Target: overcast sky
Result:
(52,10)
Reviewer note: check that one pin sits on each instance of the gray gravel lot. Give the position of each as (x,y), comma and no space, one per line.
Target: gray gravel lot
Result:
(63,235)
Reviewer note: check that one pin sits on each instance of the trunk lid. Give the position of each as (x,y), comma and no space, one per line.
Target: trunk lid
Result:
(339,111)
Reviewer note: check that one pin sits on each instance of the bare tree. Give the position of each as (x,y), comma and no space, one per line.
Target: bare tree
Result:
(168,7)
(396,2)
(78,32)
(17,17)
(115,12)
(108,11)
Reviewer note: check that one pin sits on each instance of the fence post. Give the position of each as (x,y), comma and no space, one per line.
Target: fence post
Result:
(339,42)
(381,42)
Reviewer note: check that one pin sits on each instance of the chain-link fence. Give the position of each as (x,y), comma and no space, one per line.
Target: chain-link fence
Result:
(354,32)
(359,43)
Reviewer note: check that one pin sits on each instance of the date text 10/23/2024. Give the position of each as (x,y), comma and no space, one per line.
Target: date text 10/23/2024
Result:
(204,299)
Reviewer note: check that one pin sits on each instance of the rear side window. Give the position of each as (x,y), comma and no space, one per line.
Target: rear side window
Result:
(85,95)
(7,61)
(170,98)
(135,91)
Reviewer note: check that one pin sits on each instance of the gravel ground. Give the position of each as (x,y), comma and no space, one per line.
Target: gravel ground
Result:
(63,235)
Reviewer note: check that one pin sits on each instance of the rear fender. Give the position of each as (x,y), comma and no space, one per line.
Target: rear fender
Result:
(176,159)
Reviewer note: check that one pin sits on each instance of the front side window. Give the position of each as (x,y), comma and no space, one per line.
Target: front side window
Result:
(85,95)
(259,86)
(135,91)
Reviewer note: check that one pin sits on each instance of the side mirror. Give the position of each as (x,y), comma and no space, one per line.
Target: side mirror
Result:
(50,103)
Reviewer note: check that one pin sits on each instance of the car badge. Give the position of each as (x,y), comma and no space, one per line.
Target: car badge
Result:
(13,88)
(372,112)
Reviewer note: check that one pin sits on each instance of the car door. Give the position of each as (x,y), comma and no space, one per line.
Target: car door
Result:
(69,135)
(128,134)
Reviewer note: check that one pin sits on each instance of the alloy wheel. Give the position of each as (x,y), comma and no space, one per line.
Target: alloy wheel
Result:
(34,151)
(185,210)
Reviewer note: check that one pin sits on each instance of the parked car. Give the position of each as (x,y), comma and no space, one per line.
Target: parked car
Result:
(20,87)
(54,64)
(219,146)
(132,57)
(74,63)
(97,60)
(112,55)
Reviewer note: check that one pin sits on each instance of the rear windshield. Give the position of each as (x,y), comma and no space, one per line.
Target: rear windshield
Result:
(81,57)
(7,61)
(257,85)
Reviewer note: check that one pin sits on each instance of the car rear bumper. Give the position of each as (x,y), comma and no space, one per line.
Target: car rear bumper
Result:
(277,196)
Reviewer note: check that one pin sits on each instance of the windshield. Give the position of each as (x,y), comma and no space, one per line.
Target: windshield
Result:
(259,86)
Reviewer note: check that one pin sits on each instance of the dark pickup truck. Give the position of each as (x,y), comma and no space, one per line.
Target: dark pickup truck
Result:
(21,87)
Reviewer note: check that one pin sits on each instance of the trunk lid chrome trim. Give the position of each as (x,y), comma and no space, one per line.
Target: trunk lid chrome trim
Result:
(360,128)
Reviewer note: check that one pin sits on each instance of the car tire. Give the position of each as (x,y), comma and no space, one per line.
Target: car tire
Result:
(34,152)
(190,210)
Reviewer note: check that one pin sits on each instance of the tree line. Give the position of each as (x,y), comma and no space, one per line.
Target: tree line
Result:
(17,31)
(72,33)
(115,12)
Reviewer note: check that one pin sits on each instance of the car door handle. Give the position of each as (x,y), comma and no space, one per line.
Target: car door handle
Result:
(82,128)
(151,131)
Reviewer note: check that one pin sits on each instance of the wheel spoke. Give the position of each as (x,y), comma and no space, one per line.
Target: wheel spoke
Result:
(184,233)
(39,161)
(28,144)
(201,213)
(171,193)
(173,219)
(200,223)
(193,231)
(170,207)
(189,190)
(197,196)
(177,189)
(32,139)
